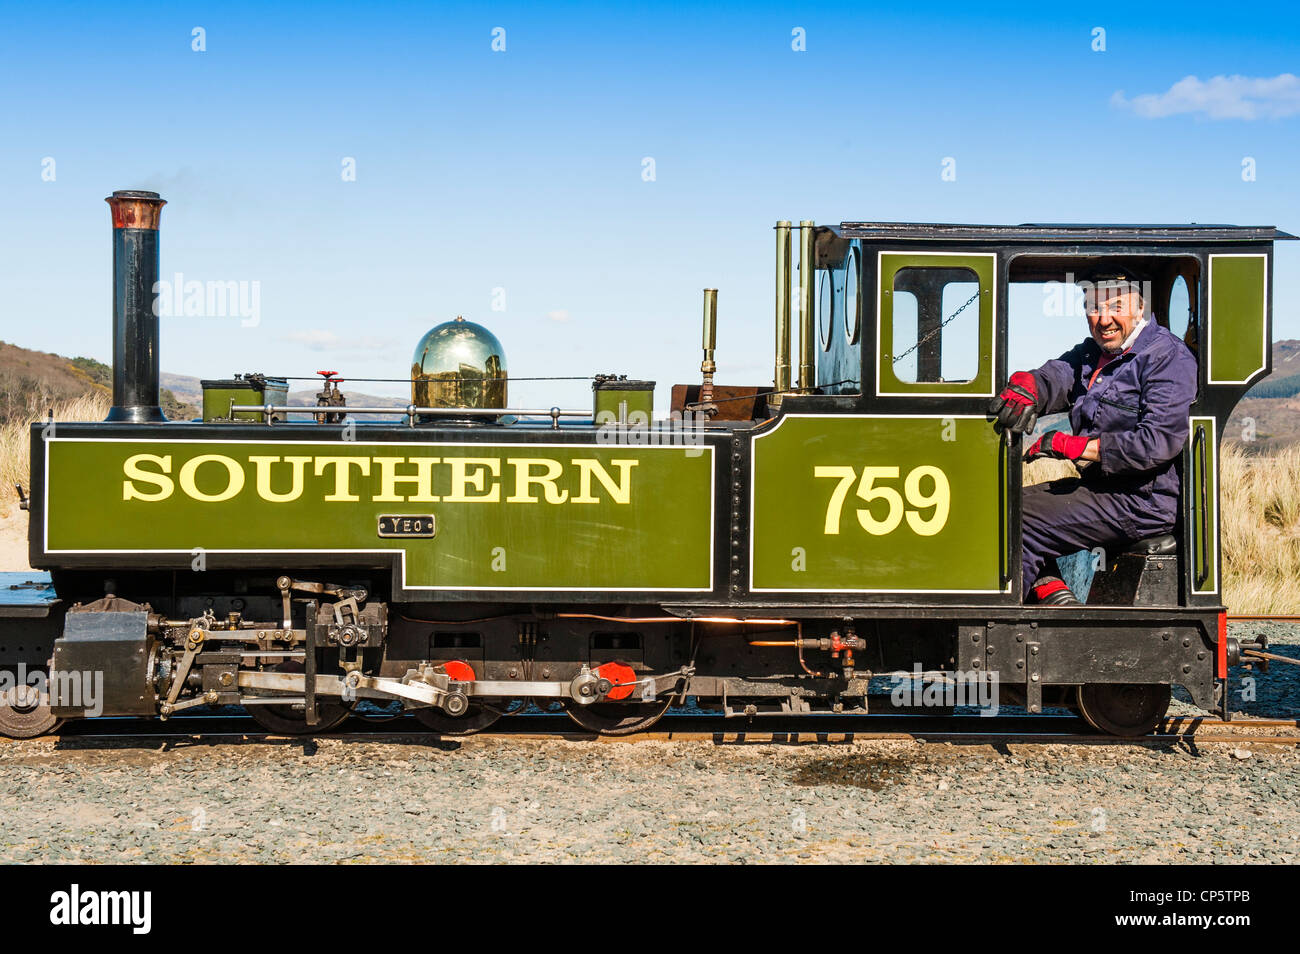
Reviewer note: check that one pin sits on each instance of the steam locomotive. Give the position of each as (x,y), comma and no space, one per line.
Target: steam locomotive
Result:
(761,549)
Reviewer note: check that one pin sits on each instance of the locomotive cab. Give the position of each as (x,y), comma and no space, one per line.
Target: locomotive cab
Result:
(927,313)
(949,304)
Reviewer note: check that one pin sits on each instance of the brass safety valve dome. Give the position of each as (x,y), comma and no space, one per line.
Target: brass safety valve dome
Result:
(459,364)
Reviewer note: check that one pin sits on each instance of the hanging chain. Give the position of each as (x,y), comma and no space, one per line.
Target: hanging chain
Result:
(942,325)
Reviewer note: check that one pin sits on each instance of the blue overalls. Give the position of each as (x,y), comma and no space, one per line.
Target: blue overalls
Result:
(1138,408)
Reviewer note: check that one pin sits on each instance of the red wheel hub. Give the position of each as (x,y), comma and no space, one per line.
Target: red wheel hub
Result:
(458,671)
(623,677)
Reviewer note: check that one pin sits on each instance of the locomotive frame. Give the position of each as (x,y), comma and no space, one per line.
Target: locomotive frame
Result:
(299,634)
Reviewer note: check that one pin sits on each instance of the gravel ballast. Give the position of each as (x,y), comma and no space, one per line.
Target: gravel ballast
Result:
(489,799)
(555,801)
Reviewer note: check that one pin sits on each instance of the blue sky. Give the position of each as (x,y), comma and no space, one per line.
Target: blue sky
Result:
(522,170)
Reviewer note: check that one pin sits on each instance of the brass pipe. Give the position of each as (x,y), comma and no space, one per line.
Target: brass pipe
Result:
(807,268)
(746,622)
(710,322)
(781,379)
(707,367)
(731,620)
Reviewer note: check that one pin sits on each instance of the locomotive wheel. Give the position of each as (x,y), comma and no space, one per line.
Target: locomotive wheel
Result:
(25,713)
(1124,709)
(618,718)
(477,718)
(286,720)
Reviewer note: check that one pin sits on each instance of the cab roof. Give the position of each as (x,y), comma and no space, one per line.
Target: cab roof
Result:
(1069,233)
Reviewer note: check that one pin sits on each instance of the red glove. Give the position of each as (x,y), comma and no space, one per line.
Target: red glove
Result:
(1059,444)
(1016,408)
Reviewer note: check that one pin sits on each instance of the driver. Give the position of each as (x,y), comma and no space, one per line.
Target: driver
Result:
(1128,388)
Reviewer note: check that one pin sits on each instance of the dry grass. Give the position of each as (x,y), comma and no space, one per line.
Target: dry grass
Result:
(1260,523)
(15,437)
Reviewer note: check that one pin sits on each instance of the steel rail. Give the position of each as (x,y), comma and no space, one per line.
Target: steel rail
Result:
(816,729)
(732,737)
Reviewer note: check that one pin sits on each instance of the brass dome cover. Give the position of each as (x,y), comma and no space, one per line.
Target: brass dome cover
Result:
(459,364)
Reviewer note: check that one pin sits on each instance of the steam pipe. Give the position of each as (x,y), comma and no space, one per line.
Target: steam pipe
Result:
(707,366)
(781,379)
(710,322)
(807,268)
(136,217)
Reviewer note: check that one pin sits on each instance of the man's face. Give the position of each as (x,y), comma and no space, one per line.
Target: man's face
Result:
(1112,310)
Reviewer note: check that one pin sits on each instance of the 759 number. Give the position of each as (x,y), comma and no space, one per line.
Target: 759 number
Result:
(935,499)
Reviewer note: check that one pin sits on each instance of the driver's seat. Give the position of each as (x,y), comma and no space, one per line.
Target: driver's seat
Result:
(1145,573)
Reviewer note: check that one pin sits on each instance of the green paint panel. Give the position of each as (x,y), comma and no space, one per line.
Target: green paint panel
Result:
(220,396)
(982,266)
(1237,323)
(818,503)
(644,523)
(623,402)
(1205,516)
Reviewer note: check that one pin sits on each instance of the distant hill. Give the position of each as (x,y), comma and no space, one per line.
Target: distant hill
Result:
(1268,417)
(32,381)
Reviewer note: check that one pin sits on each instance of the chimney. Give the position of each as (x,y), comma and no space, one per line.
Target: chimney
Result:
(135,326)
